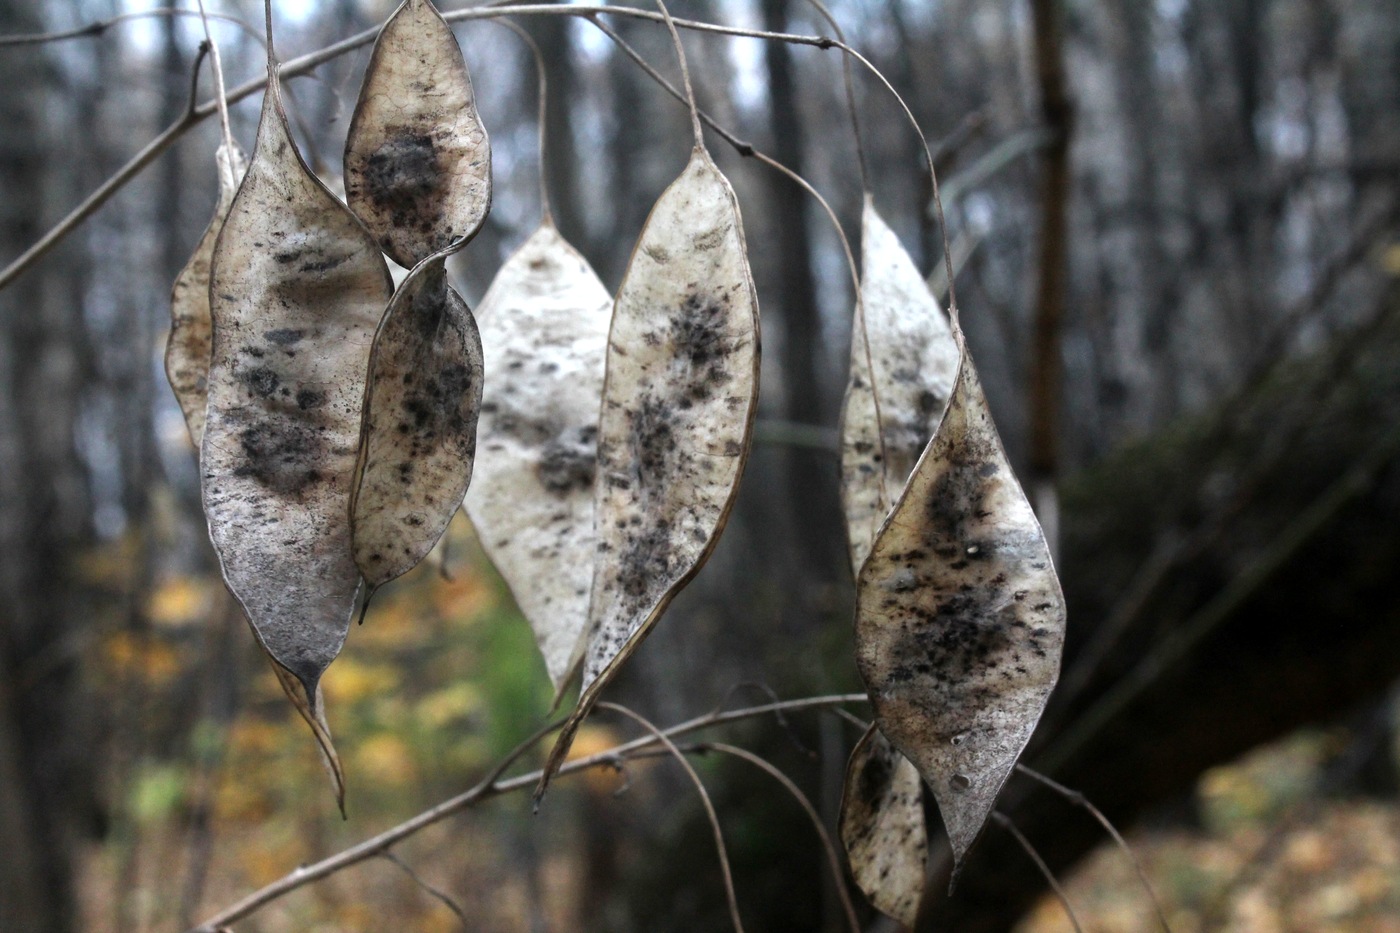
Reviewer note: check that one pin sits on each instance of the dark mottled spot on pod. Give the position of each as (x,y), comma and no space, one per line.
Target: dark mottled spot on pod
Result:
(564,466)
(284,336)
(260,380)
(401,176)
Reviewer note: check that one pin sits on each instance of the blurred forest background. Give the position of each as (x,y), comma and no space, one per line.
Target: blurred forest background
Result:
(1176,230)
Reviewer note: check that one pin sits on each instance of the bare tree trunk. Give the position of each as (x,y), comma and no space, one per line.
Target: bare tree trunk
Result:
(1047,365)
(809,475)
(48,787)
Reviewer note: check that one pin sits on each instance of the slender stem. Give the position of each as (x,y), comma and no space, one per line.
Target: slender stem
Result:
(218,67)
(709,804)
(685,75)
(438,893)
(272,74)
(932,171)
(493,786)
(1078,799)
(306,63)
(747,149)
(541,109)
(1046,383)
(203,50)
(1005,823)
(93,30)
(832,860)
(849,80)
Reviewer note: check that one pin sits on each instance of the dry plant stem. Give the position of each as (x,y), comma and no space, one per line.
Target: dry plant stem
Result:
(860,724)
(271,52)
(305,63)
(1005,823)
(1079,800)
(437,893)
(782,720)
(699,786)
(849,80)
(541,103)
(218,67)
(94,30)
(832,860)
(747,150)
(492,786)
(685,75)
(203,50)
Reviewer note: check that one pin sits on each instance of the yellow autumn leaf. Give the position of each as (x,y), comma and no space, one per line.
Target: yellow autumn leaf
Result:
(442,707)
(154,662)
(593,739)
(466,595)
(113,564)
(385,759)
(179,601)
(352,680)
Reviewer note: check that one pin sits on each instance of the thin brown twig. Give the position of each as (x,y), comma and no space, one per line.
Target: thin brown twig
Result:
(203,50)
(709,804)
(747,150)
(441,895)
(1078,799)
(851,718)
(217,66)
(96,29)
(833,861)
(772,695)
(542,99)
(685,75)
(491,785)
(850,83)
(305,63)
(1002,820)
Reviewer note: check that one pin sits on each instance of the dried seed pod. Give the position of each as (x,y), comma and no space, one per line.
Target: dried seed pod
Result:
(882,827)
(678,405)
(544,329)
(313,711)
(298,286)
(191,327)
(418,436)
(417,160)
(915,358)
(959,618)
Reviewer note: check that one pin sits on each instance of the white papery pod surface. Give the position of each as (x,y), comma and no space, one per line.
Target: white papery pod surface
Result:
(915,358)
(679,400)
(960,620)
(882,827)
(418,436)
(189,347)
(298,286)
(544,330)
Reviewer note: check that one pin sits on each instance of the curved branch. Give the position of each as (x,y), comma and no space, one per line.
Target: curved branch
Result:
(305,63)
(488,787)
(94,30)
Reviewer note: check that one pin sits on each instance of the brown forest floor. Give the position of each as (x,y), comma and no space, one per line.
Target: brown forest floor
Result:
(1272,857)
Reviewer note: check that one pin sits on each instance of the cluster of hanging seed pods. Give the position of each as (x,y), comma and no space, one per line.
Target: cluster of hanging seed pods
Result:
(340,420)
